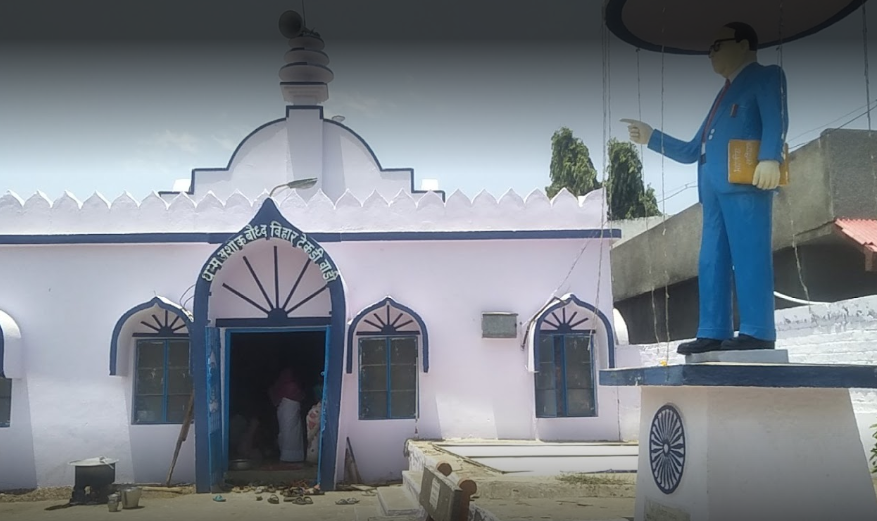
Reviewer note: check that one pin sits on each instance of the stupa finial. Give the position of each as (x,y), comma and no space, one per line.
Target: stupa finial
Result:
(304,80)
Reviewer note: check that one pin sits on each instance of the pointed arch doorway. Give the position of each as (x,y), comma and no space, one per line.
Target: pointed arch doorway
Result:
(301,276)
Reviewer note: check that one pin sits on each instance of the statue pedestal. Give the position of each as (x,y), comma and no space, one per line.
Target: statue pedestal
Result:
(754,442)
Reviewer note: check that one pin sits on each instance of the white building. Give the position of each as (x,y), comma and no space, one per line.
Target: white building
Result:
(416,310)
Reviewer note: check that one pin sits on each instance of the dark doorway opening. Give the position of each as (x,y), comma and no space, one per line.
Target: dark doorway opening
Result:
(275,380)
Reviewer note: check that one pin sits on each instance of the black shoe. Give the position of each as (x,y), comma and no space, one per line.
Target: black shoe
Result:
(746,343)
(701,345)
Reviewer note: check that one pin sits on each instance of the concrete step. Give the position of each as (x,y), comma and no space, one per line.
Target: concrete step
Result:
(397,501)
(411,480)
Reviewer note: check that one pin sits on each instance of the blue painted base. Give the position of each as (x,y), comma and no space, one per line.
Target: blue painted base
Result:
(745,375)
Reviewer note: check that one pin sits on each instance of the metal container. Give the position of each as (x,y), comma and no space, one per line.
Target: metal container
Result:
(240,464)
(96,474)
(113,502)
(131,497)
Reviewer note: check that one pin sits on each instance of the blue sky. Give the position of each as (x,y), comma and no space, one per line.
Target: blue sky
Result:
(108,114)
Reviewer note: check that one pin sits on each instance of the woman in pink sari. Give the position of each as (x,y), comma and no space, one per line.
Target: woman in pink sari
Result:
(286,395)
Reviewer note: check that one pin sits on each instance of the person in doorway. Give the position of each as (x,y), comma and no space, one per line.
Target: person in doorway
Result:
(243,430)
(286,395)
(314,416)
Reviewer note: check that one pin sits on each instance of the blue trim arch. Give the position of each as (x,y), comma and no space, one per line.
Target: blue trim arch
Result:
(263,225)
(162,303)
(388,328)
(607,325)
(2,352)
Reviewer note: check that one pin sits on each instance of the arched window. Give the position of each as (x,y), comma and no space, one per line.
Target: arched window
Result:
(388,338)
(567,337)
(158,332)
(11,364)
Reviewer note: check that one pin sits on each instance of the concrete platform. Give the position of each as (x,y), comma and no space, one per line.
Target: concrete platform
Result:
(548,459)
(834,376)
(755,356)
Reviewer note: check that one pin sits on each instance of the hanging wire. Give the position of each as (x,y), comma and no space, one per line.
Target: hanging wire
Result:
(788,201)
(607,131)
(860,112)
(607,192)
(639,101)
(868,91)
(867,74)
(663,205)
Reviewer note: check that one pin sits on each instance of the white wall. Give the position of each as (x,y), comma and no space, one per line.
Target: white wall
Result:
(475,388)
(67,298)
(840,333)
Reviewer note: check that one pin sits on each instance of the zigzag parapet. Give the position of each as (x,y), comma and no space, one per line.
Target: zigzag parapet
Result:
(37,215)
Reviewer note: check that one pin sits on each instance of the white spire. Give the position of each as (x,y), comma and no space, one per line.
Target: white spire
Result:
(305,77)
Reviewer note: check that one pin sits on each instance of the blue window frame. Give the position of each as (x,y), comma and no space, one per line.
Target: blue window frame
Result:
(387,377)
(565,375)
(5,402)
(162,381)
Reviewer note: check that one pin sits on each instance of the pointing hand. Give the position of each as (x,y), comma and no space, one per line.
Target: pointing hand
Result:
(639,132)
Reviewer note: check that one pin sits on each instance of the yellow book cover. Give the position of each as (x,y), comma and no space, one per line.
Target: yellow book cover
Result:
(743,158)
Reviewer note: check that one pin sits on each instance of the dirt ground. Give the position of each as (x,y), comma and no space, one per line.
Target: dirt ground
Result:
(560,509)
(194,507)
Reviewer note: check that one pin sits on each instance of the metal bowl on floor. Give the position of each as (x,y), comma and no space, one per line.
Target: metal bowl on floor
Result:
(240,464)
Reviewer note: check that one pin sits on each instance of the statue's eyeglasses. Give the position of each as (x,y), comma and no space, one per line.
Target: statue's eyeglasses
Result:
(718,44)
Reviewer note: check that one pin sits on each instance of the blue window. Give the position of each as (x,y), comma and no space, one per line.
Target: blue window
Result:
(5,401)
(565,377)
(162,383)
(387,377)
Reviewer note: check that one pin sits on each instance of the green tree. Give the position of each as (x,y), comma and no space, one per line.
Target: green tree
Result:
(628,197)
(571,165)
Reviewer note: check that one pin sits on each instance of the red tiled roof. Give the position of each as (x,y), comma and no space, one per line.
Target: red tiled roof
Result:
(862,231)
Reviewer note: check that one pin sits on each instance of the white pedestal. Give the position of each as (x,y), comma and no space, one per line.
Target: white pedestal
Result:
(757,454)
(731,442)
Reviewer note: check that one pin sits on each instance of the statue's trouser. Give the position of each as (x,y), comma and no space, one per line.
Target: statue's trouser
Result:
(736,244)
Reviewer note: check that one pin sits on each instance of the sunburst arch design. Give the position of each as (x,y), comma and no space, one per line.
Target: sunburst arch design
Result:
(169,320)
(277,308)
(386,318)
(164,327)
(561,321)
(570,314)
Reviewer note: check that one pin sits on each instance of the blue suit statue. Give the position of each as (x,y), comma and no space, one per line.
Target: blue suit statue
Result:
(737,219)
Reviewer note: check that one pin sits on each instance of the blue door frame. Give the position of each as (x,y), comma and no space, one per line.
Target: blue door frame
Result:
(270,224)
(227,385)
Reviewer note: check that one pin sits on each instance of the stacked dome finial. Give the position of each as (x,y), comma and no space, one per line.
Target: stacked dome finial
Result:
(305,77)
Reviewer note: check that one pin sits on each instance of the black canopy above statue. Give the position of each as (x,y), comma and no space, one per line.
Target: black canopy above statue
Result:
(688,26)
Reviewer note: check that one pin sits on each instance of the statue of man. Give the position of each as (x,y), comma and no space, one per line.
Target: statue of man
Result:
(737,218)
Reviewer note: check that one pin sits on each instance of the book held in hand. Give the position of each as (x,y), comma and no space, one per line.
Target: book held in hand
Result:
(743,158)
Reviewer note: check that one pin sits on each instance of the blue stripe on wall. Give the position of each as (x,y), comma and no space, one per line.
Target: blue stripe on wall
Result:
(221,237)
